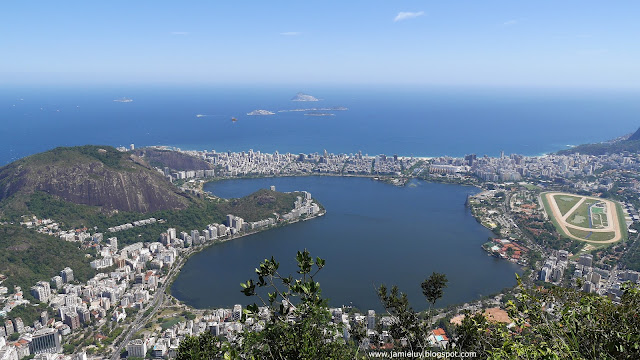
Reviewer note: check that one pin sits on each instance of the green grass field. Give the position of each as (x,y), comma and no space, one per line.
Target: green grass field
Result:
(602,236)
(599,218)
(596,236)
(583,210)
(580,217)
(579,233)
(621,221)
(172,321)
(565,202)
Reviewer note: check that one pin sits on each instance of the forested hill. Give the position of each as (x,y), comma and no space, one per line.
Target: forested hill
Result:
(630,144)
(27,257)
(99,176)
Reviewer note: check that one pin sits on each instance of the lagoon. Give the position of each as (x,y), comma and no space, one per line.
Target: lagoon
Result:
(373,233)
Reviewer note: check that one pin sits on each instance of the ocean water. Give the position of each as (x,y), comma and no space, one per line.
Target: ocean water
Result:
(405,121)
(373,233)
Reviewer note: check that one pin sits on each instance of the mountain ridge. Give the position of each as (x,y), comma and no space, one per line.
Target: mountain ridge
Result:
(626,143)
(91,175)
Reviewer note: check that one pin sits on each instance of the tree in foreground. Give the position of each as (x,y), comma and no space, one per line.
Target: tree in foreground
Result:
(555,323)
(202,347)
(558,323)
(433,287)
(300,325)
(408,329)
(293,321)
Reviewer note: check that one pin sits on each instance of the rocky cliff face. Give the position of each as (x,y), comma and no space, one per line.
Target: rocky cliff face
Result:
(96,176)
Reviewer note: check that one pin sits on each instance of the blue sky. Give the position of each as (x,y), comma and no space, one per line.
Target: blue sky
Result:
(586,44)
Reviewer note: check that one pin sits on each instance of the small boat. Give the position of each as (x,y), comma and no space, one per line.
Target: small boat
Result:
(234,119)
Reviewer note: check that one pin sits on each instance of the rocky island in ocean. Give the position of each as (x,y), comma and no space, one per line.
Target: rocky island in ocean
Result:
(313,113)
(260,113)
(334,108)
(304,97)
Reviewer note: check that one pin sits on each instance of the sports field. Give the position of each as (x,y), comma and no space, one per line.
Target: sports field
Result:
(593,236)
(565,202)
(580,216)
(584,218)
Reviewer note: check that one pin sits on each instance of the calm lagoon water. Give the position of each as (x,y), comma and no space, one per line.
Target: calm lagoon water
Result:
(373,233)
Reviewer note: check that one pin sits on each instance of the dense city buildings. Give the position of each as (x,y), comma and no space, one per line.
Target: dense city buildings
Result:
(136,280)
(131,280)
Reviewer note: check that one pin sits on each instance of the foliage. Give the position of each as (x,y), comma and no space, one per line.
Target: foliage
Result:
(131,311)
(260,205)
(46,206)
(604,148)
(188,315)
(28,257)
(111,177)
(203,347)
(549,323)
(545,233)
(577,326)
(111,336)
(67,155)
(257,206)
(407,324)
(299,326)
(631,258)
(105,154)
(311,335)
(28,313)
(68,349)
(408,329)
(433,287)
(167,323)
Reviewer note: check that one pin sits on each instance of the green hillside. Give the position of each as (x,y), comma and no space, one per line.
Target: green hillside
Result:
(631,144)
(27,257)
(260,205)
(98,176)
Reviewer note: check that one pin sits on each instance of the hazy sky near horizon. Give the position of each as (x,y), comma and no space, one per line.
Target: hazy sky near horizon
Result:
(588,44)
